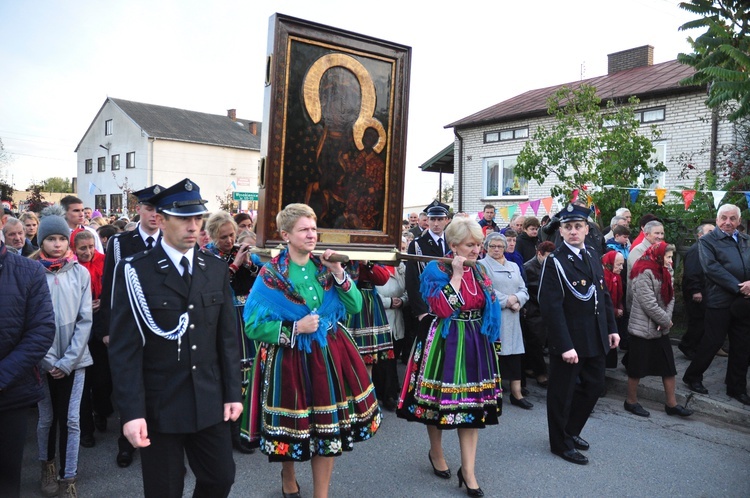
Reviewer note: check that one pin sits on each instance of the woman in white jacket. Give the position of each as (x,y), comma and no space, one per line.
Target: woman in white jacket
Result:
(64,365)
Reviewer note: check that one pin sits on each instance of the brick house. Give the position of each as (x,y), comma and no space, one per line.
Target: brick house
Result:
(131,145)
(488,142)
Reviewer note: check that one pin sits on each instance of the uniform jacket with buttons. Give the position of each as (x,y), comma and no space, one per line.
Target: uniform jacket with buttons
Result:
(124,244)
(176,392)
(426,246)
(572,323)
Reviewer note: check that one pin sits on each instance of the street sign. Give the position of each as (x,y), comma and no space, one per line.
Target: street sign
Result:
(244,181)
(245,196)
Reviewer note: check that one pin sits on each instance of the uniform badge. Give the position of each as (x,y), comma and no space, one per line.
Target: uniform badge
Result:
(188,186)
(575,283)
(570,208)
(156,190)
(583,282)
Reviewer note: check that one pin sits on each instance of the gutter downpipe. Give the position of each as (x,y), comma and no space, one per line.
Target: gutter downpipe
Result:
(714,141)
(460,171)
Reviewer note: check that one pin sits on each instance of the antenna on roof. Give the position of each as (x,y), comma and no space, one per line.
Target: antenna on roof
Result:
(583,70)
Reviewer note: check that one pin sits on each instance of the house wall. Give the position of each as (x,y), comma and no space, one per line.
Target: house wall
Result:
(212,167)
(126,137)
(157,161)
(685,130)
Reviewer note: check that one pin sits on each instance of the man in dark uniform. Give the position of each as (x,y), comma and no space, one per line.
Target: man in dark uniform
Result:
(578,311)
(173,353)
(594,238)
(121,246)
(431,243)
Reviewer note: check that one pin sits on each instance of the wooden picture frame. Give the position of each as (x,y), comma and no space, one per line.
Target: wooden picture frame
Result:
(334,134)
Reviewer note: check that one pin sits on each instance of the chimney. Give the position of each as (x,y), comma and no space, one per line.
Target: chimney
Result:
(232,114)
(252,126)
(630,59)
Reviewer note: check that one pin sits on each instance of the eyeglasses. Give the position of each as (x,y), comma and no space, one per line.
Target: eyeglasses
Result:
(496,247)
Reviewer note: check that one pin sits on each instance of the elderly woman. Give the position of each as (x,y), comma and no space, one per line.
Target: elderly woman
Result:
(511,292)
(452,379)
(650,351)
(311,396)
(613,263)
(30,225)
(222,230)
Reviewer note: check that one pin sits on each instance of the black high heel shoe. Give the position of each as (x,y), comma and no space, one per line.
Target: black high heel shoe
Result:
(442,474)
(296,494)
(469,491)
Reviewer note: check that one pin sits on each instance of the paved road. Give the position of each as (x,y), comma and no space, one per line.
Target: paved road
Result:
(630,456)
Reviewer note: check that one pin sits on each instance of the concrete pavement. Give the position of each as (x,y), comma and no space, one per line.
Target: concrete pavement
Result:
(716,404)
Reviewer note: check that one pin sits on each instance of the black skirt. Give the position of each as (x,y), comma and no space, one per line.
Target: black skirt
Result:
(510,366)
(649,357)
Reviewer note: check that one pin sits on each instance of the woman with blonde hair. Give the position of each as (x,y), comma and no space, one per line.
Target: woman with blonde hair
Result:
(452,379)
(311,396)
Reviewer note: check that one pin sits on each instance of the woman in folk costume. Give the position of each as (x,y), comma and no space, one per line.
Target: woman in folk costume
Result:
(243,268)
(452,379)
(308,362)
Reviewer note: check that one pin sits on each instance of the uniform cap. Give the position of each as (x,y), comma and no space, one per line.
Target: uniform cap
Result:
(181,199)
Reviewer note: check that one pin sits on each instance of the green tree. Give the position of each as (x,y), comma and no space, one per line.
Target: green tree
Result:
(590,145)
(6,189)
(721,55)
(445,192)
(58,184)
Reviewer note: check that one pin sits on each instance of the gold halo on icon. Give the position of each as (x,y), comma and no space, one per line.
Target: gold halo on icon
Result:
(311,92)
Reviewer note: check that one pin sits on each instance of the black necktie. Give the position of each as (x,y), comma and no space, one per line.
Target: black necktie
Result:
(186,272)
(440,245)
(149,243)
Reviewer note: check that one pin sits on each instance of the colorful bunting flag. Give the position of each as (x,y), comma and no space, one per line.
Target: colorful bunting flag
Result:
(660,193)
(547,203)
(524,207)
(747,198)
(574,196)
(503,211)
(718,196)
(535,206)
(634,192)
(511,211)
(687,196)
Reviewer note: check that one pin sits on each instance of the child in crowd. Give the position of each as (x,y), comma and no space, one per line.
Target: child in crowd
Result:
(63,367)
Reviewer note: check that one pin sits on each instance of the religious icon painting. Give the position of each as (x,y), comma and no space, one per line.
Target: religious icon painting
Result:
(334,134)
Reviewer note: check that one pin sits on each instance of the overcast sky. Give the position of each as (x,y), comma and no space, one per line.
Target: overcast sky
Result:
(61,59)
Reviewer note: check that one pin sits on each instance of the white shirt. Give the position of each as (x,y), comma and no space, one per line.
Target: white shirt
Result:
(176,256)
(145,235)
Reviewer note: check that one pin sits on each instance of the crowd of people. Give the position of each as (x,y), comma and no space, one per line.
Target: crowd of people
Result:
(174,322)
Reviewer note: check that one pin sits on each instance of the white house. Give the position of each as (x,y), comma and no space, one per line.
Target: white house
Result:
(131,145)
(488,142)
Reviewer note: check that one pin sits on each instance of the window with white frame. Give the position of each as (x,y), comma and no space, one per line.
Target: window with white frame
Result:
(89,166)
(657,179)
(101,165)
(130,160)
(108,127)
(115,160)
(500,178)
(652,115)
(503,135)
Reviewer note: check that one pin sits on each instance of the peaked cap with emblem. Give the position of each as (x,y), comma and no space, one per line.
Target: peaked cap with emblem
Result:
(573,212)
(436,209)
(181,199)
(144,195)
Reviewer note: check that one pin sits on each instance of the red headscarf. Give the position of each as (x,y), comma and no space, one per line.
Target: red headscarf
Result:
(612,279)
(96,269)
(653,259)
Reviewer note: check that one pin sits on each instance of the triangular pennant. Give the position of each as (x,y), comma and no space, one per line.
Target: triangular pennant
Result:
(524,206)
(512,211)
(480,215)
(589,200)
(634,192)
(503,211)
(747,198)
(535,206)
(660,193)
(718,196)
(574,195)
(547,203)
(687,196)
